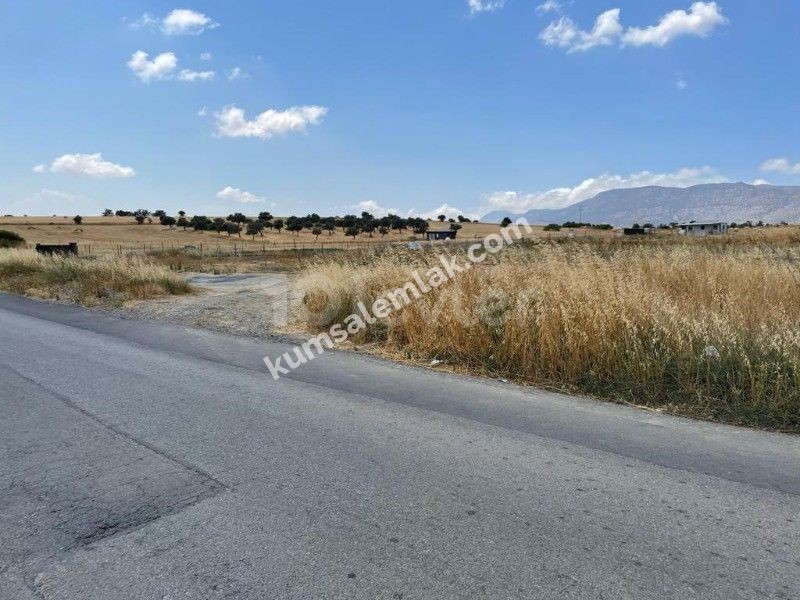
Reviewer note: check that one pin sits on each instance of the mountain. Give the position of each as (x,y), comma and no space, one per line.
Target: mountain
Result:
(728,202)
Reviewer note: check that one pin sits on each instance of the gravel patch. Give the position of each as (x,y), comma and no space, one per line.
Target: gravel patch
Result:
(254,305)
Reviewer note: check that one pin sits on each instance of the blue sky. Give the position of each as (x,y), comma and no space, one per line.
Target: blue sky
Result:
(473,104)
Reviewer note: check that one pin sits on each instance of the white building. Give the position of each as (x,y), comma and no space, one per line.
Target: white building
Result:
(716,228)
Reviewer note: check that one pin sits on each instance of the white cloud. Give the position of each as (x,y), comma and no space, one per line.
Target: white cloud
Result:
(479,6)
(233,194)
(52,195)
(566,196)
(548,7)
(451,212)
(231,121)
(206,56)
(781,165)
(236,73)
(202,112)
(146,20)
(161,67)
(91,165)
(49,202)
(376,209)
(189,75)
(45,202)
(700,20)
(761,182)
(681,84)
(565,34)
(183,21)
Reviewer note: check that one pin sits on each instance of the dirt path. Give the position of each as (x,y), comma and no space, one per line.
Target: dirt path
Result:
(255,305)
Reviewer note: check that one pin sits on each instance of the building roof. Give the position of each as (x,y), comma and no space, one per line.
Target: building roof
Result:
(704,223)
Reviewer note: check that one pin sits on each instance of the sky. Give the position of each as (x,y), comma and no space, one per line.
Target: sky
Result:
(418,107)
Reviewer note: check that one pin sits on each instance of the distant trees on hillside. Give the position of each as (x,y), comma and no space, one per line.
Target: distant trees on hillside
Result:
(350,225)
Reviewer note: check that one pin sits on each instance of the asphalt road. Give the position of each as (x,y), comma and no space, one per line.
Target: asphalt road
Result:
(139,460)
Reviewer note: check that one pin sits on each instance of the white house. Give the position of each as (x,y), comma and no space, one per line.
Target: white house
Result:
(715,228)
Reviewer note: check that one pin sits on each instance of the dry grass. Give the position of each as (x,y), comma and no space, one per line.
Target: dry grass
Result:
(108,281)
(121,235)
(707,328)
(277,261)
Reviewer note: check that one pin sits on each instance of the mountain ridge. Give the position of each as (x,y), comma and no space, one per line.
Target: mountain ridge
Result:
(727,202)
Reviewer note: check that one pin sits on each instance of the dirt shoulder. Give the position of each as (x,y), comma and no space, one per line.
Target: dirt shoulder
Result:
(253,305)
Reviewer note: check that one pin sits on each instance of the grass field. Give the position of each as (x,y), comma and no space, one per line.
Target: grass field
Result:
(109,281)
(702,327)
(218,253)
(115,235)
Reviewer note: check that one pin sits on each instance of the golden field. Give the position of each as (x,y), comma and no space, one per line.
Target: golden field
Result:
(112,235)
(109,281)
(703,327)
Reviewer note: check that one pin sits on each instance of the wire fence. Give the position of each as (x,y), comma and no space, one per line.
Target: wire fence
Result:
(239,248)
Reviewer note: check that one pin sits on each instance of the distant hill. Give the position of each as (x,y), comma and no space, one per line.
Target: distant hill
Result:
(727,202)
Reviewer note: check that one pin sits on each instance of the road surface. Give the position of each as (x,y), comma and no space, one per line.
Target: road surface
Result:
(141,460)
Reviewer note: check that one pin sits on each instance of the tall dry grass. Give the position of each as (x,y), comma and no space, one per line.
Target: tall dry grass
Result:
(710,329)
(111,280)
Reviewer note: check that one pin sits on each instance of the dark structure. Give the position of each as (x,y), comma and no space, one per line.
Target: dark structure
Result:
(441,234)
(71,248)
(634,231)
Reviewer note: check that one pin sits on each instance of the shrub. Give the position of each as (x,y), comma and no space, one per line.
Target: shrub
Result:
(112,280)
(552,227)
(9,239)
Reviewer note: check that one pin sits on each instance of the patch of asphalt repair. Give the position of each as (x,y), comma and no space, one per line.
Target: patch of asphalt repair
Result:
(70,493)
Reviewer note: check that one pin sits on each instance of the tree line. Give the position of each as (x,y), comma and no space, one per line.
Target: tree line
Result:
(238,223)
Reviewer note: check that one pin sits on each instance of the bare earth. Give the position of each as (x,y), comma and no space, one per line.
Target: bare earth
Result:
(253,305)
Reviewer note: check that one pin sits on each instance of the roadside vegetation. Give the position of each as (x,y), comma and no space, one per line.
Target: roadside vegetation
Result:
(10,239)
(707,328)
(223,262)
(107,281)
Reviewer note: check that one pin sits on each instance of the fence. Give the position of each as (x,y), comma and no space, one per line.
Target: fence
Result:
(244,247)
